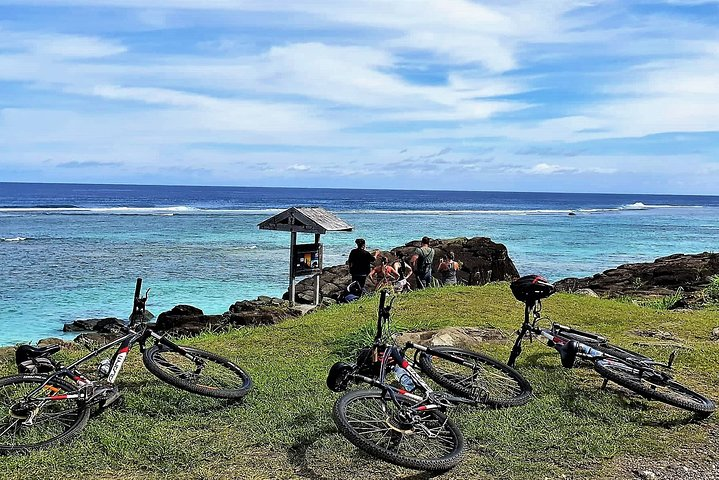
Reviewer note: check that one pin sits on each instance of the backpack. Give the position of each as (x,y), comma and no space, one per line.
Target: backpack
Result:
(424,262)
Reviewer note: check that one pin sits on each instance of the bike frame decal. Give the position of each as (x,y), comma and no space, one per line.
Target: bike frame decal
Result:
(119,360)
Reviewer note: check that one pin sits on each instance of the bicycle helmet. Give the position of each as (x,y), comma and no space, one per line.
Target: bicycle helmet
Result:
(530,288)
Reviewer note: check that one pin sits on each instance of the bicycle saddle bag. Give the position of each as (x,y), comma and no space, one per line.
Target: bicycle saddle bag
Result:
(31,359)
(530,288)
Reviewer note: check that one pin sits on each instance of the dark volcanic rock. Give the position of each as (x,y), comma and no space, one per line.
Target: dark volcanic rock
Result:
(482,261)
(662,277)
(103,325)
(263,311)
(187,320)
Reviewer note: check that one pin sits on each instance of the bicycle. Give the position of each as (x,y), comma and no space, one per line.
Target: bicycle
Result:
(628,369)
(407,425)
(49,403)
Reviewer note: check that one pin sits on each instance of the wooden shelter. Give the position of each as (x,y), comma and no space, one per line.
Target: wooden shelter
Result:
(305,259)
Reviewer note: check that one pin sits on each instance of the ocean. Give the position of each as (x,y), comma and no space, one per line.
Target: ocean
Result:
(70,251)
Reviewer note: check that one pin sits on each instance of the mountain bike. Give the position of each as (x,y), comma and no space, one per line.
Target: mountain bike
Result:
(626,368)
(406,424)
(47,403)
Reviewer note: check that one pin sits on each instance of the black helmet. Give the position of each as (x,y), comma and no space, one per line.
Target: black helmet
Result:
(530,288)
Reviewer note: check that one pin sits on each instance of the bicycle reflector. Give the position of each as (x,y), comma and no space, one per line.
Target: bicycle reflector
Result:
(530,288)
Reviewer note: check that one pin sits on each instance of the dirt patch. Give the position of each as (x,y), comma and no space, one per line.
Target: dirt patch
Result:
(694,462)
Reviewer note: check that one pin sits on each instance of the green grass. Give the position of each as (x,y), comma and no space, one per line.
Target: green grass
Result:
(283,429)
(667,302)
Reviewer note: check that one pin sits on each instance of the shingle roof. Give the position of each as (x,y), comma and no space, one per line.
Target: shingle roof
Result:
(306,220)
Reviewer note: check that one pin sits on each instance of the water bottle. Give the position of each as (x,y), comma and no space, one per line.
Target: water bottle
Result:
(103,367)
(403,377)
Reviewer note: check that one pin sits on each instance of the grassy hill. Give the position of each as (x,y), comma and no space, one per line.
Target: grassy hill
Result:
(283,429)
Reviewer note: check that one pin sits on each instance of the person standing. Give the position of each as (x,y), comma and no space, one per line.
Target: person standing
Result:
(422,261)
(447,269)
(360,262)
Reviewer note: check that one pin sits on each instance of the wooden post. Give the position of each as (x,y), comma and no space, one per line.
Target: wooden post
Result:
(293,242)
(317,277)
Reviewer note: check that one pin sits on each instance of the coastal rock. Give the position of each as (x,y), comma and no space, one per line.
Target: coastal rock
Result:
(587,292)
(44,342)
(102,325)
(660,278)
(462,337)
(7,354)
(95,339)
(187,320)
(263,311)
(482,261)
(715,334)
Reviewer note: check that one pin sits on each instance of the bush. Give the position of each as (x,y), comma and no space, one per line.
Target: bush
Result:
(711,292)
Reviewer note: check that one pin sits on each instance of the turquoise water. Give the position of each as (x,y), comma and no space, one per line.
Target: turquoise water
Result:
(74,251)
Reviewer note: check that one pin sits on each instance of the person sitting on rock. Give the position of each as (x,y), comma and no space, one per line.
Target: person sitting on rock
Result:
(383,274)
(447,269)
(352,292)
(404,270)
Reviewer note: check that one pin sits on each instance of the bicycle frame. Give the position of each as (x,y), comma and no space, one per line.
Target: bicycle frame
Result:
(556,340)
(125,343)
(391,352)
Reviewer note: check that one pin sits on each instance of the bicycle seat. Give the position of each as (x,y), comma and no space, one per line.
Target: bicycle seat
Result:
(530,288)
(28,352)
(568,353)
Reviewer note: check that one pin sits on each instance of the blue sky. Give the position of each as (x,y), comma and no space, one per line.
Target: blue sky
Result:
(561,95)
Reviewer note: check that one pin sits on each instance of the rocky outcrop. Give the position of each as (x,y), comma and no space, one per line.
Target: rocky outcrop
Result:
(482,261)
(102,325)
(662,277)
(263,311)
(189,320)
(462,337)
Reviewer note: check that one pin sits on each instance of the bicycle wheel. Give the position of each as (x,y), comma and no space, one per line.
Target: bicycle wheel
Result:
(26,424)
(603,346)
(654,387)
(206,374)
(421,440)
(486,381)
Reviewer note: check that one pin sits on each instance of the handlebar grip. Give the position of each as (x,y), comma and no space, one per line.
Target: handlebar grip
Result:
(138,287)
(382,298)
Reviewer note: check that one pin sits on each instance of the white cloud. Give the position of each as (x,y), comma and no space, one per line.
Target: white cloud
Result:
(552,169)
(58,46)
(298,168)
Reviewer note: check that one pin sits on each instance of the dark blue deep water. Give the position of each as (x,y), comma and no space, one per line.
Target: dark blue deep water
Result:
(73,251)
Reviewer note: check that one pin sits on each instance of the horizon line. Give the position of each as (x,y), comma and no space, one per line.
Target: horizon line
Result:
(359,189)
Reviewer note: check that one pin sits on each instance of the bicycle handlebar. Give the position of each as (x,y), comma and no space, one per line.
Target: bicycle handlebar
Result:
(138,304)
(138,287)
(383,312)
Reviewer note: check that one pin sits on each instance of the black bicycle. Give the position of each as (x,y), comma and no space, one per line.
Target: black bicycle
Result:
(49,403)
(406,423)
(631,370)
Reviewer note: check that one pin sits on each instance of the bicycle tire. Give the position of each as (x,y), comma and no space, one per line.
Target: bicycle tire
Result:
(444,453)
(71,420)
(495,383)
(669,391)
(603,346)
(227,380)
